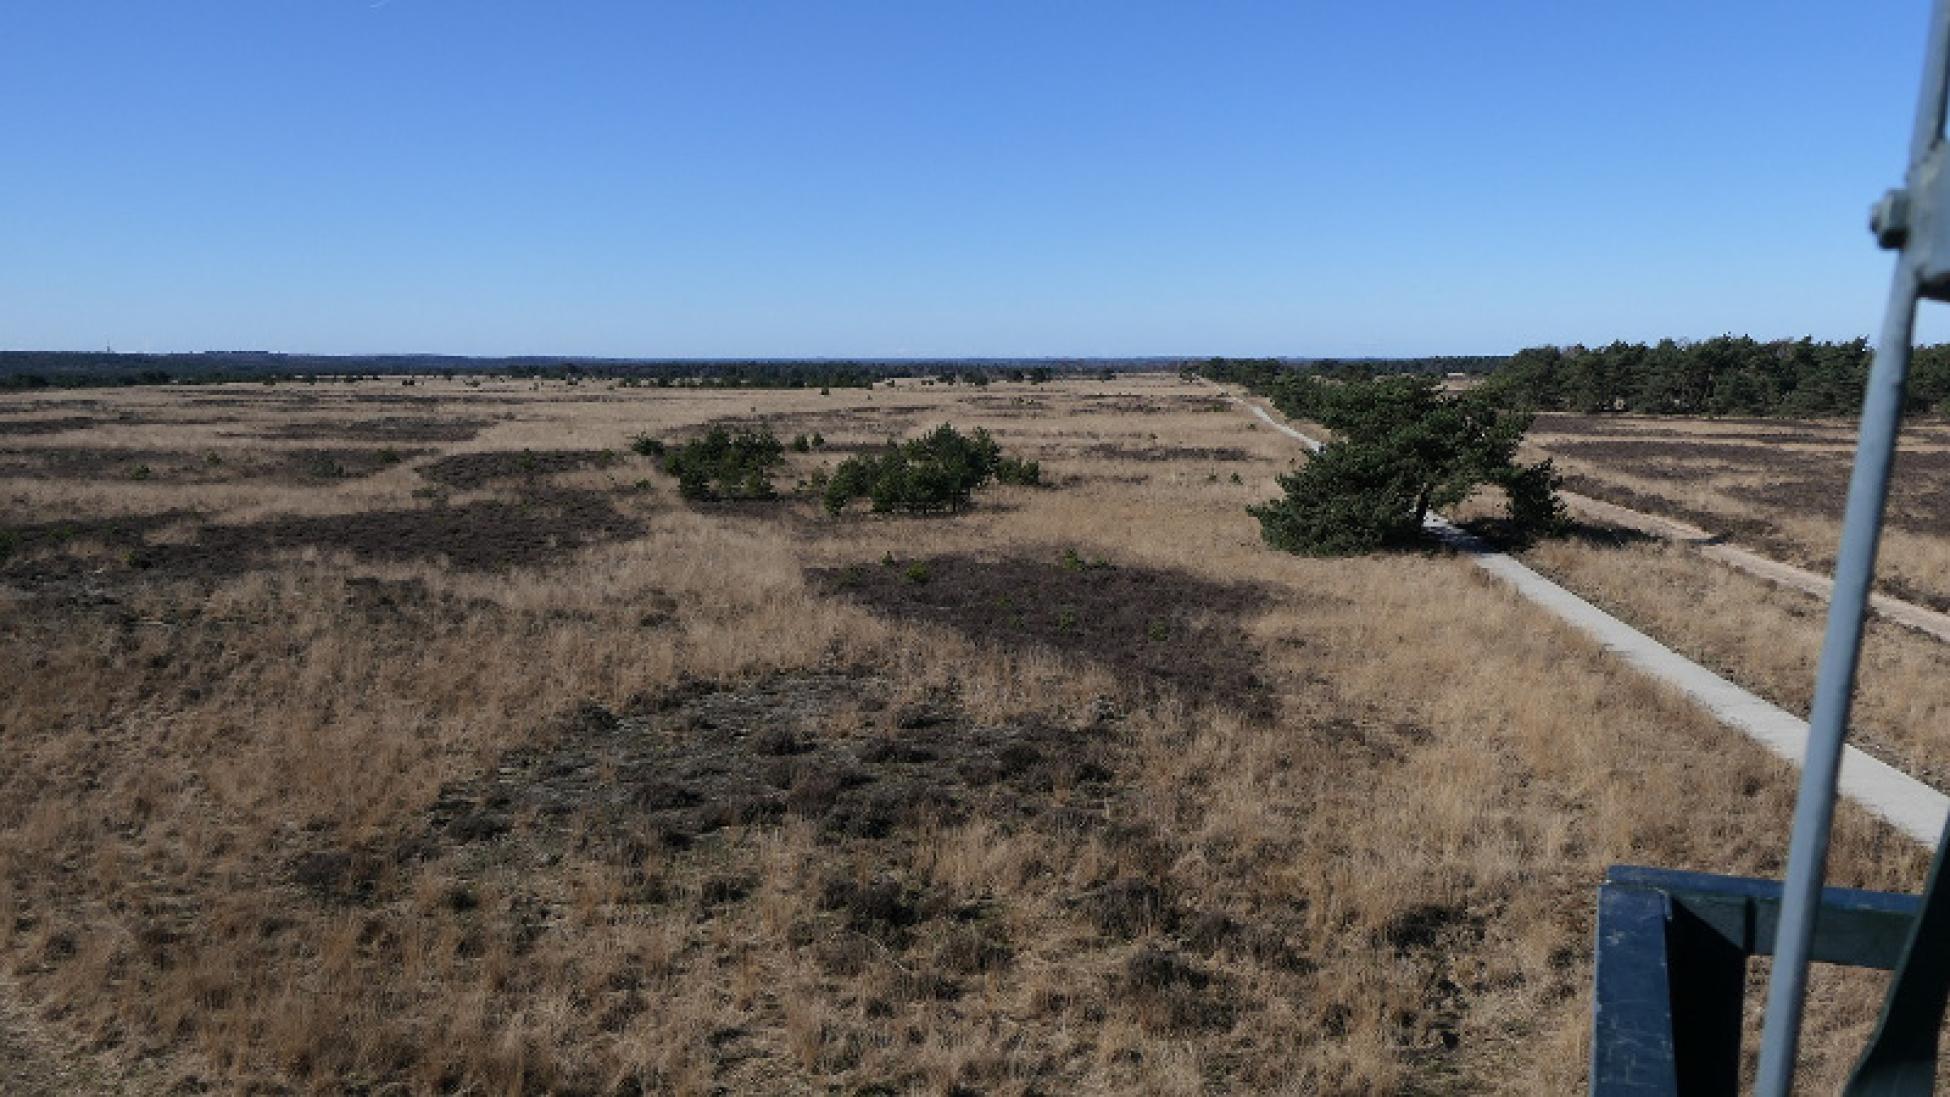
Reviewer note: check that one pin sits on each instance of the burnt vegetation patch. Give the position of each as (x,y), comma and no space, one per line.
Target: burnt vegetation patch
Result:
(1155,628)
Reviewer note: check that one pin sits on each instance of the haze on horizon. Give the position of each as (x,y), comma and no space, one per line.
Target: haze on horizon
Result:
(897,180)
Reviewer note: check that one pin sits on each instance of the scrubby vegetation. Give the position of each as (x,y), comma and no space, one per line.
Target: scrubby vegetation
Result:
(1405,449)
(939,471)
(722,465)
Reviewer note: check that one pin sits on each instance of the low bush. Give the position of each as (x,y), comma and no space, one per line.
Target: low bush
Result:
(721,465)
(938,471)
(645,446)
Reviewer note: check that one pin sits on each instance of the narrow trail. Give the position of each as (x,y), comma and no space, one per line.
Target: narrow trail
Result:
(1909,614)
(1906,803)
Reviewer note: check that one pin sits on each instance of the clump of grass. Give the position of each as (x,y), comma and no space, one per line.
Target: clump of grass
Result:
(1075,561)
(917,572)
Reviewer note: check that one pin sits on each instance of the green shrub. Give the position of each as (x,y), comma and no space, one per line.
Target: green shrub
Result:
(140,472)
(938,471)
(9,544)
(722,465)
(916,572)
(645,446)
(801,444)
(818,440)
(1015,470)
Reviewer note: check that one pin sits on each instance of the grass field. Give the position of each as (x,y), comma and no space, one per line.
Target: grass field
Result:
(1775,486)
(420,739)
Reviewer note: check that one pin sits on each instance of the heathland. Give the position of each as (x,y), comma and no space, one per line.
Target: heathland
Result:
(424,737)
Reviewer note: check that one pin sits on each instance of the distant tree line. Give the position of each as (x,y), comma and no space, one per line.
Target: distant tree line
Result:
(1728,375)
(73,369)
(1258,374)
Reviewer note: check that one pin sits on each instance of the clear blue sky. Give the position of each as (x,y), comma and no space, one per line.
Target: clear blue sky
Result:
(931,178)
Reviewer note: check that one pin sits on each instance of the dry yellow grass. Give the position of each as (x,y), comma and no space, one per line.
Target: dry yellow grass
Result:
(1375,874)
(1773,485)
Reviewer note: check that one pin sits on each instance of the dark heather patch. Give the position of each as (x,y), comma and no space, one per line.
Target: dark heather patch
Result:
(473,470)
(1798,481)
(46,426)
(214,466)
(490,535)
(1174,994)
(1113,451)
(1156,629)
(756,754)
(392,429)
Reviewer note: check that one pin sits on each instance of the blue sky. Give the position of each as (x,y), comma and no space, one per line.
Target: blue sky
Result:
(933,178)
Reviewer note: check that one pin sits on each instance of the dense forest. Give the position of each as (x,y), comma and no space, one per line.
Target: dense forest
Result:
(1728,375)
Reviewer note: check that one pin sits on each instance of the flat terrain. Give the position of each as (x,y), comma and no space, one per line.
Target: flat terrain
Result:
(1774,485)
(421,739)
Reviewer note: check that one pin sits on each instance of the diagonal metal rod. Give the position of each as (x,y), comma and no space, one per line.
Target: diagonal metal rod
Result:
(1868,489)
(1882,409)
(1841,649)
